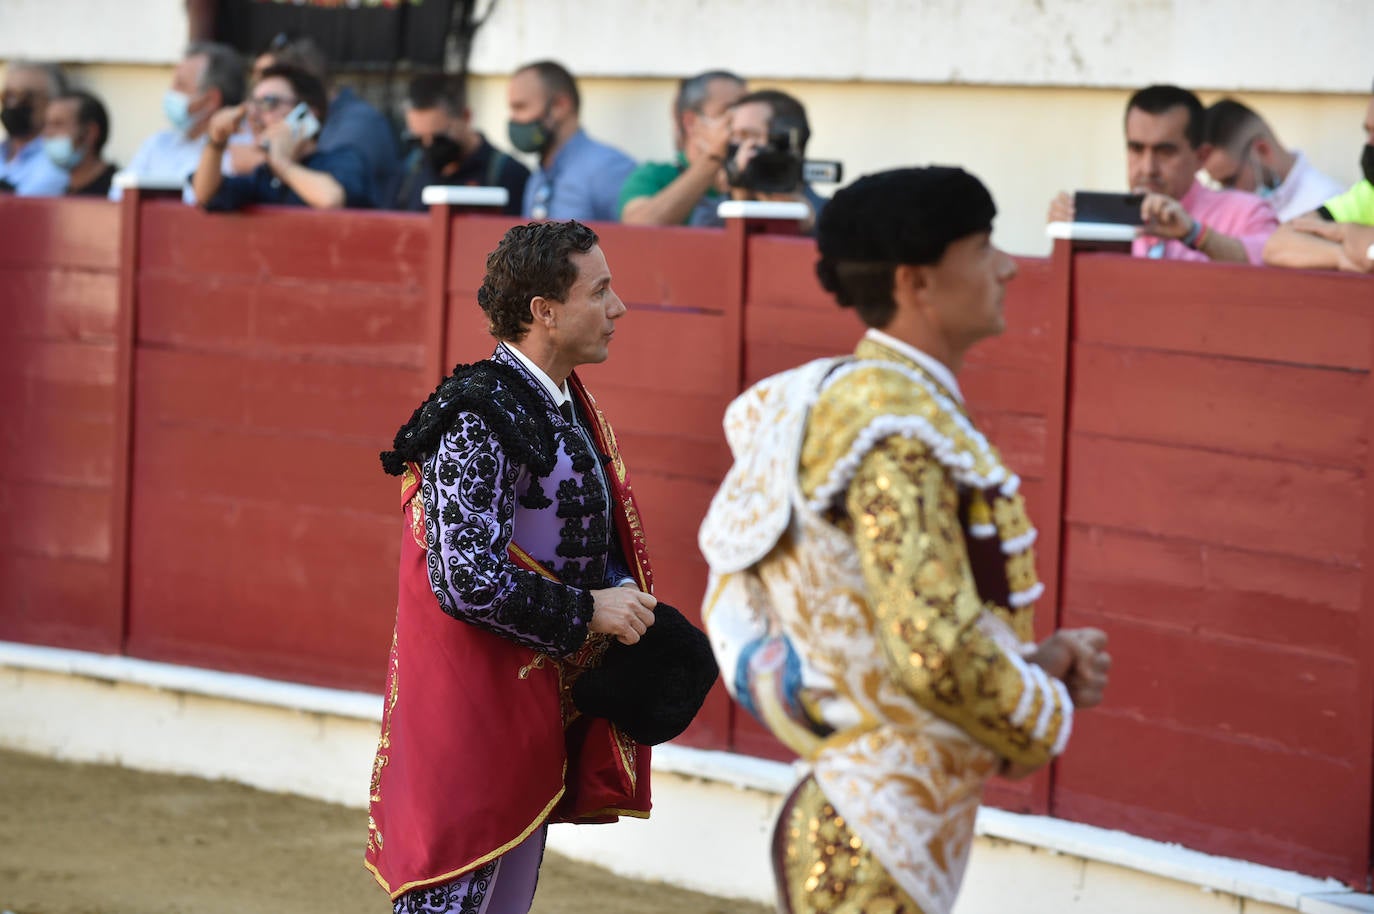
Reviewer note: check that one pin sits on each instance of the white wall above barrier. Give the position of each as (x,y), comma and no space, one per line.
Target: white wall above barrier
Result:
(1320,46)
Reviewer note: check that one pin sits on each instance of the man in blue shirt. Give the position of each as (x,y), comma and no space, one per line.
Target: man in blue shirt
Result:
(24,169)
(208,77)
(578,177)
(296,173)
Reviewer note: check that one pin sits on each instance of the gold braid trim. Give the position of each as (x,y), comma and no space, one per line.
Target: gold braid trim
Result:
(904,510)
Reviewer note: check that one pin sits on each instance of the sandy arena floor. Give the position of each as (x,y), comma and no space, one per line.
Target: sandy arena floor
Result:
(93,839)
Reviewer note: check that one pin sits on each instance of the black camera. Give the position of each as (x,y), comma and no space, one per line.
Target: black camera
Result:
(778,166)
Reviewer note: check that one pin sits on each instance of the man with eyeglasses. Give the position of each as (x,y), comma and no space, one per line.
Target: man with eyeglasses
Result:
(24,169)
(1180,218)
(352,120)
(577,176)
(285,112)
(208,77)
(687,190)
(1246,155)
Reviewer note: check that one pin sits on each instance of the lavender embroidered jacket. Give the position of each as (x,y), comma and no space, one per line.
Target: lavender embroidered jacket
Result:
(509,466)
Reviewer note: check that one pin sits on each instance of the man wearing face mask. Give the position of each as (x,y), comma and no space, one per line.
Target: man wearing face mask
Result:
(74,136)
(208,78)
(24,169)
(1339,234)
(449,150)
(578,177)
(1246,155)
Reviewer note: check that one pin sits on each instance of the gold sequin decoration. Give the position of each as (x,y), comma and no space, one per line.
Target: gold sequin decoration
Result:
(824,868)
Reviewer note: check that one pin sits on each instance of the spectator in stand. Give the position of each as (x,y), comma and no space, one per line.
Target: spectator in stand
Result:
(449,150)
(296,172)
(755,119)
(577,177)
(1339,234)
(1183,220)
(1244,154)
(208,78)
(352,121)
(687,191)
(24,169)
(74,135)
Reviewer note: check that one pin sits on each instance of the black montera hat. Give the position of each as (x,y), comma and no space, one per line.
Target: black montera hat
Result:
(652,689)
(907,215)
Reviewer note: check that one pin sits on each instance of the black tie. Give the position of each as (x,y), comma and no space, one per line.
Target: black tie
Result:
(567,411)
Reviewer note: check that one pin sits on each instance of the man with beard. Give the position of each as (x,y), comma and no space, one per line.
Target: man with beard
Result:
(449,150)
(1339,234)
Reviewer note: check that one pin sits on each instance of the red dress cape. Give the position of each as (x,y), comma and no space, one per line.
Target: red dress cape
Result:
(480,744)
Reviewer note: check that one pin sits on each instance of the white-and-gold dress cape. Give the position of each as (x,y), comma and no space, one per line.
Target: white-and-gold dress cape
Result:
(870,537)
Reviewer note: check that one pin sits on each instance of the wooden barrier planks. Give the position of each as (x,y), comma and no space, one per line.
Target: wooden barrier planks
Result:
(274,362)
(1215,528)
(59,578)
(1207,426)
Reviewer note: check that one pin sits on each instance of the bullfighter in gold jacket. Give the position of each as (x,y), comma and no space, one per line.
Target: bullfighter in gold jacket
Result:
(872,570)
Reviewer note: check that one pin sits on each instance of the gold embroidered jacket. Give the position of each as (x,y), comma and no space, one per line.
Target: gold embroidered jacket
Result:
(871,601)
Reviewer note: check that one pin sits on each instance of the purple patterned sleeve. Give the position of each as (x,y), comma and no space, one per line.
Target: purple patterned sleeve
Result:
(469,490)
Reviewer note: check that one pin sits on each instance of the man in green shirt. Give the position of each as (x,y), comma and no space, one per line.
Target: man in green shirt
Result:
(687,190)
(1338,235)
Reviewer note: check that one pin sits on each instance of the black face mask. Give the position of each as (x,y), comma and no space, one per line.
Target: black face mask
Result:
(18,120)
(1367,163)
(442,152)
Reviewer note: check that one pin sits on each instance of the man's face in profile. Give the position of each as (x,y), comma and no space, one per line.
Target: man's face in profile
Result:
(587,314)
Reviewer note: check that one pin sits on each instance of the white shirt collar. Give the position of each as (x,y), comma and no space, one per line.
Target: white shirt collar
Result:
(559,396)
(1288,188)
(930,364)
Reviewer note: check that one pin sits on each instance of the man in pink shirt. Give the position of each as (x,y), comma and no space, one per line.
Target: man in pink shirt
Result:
(1182,219)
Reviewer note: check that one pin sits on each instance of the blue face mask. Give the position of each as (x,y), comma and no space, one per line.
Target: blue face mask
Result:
(1266,182)
(61,151)
(177,106)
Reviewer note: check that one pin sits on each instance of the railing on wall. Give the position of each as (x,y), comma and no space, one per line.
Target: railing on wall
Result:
(194,406)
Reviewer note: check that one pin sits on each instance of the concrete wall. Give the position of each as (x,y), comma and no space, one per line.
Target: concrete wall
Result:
(713,812)
(1028,94)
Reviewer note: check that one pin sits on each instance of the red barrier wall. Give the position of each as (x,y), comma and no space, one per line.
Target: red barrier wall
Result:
(1215,528)
(275,357)
(195,405)
(61,580)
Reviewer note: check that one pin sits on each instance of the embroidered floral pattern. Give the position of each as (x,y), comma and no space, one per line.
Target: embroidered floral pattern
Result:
(464,895)
(466,555)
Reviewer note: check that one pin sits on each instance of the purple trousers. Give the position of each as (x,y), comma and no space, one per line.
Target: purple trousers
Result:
(503,886)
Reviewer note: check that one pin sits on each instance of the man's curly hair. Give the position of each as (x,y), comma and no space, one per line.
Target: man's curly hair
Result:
(532,260)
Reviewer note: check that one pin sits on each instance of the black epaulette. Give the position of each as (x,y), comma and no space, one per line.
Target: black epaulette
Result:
(501,396)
